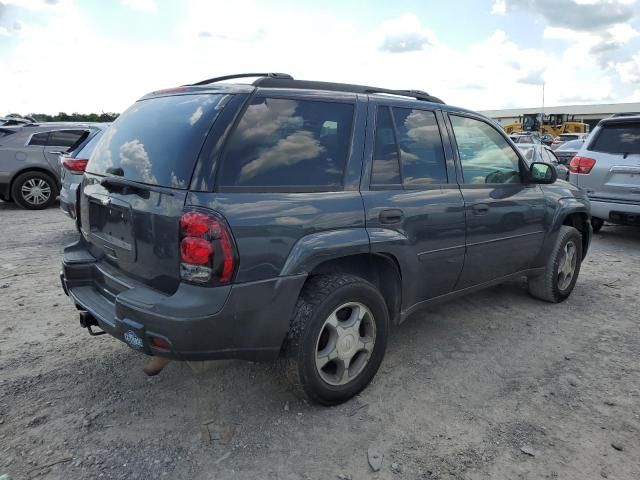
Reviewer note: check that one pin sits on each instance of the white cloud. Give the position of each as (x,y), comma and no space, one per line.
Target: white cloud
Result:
(493,73)
(499,7)
(141,5)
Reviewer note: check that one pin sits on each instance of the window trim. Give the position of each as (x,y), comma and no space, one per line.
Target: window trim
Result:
(522,164)
(87,130)
(28,142)
(402,185)
(217,187)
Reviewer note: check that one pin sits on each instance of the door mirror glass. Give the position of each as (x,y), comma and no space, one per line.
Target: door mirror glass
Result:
(542,173)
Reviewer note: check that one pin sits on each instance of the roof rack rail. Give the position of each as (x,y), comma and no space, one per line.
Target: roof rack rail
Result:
(283,82)
(284,76)
(417,94)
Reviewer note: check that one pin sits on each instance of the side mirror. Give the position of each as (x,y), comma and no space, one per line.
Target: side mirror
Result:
(540,172)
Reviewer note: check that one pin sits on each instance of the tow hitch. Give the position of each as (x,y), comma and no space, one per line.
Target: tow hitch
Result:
(87,321)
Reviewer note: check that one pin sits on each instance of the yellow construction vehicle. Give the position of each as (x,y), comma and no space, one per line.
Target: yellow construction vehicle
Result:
(553,124)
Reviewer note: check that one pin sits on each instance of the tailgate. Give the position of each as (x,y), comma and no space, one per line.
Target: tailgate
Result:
(138,236)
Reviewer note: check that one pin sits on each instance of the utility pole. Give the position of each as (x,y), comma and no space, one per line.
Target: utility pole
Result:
(542,115)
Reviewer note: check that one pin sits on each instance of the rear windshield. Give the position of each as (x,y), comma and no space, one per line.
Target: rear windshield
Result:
(157,140)
(86,151)
(566,137)
(620,138)
(572,145)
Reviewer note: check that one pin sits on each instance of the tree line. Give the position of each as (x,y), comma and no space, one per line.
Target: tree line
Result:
(69,117)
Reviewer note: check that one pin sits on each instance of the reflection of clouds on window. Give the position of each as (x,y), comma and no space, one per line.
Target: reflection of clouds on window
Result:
(297,147)
(264,120)
(628,137)
(134,156)
(176,182)
(421,127)
(101,157)
(195,116)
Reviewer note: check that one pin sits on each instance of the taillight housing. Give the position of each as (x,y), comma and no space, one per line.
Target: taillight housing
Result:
(208,254)
(75,165)
(582,165)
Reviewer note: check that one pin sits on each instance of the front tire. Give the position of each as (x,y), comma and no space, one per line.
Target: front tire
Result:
(34,190)
(562,268)
(337,339)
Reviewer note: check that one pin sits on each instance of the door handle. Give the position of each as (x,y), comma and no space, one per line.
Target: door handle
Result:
(480,209)
(391,215)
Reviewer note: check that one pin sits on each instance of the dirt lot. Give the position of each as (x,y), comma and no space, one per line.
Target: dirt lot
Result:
(495,385)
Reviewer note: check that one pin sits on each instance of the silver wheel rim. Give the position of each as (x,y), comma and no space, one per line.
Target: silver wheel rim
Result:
(567,265)
(345,343)
(36,191)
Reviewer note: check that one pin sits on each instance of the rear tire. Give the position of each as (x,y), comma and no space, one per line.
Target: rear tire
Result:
(337,338)
(596,224)
(562,268)
(34,190)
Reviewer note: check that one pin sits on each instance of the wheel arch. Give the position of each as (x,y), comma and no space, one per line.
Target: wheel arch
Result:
(381,270)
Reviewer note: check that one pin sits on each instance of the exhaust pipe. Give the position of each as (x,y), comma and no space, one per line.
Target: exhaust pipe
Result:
(155,365)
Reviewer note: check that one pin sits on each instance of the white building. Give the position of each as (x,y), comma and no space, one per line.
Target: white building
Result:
(590,114)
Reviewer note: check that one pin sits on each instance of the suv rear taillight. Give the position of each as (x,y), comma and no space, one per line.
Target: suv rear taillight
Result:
(581,165)
(207,250)
(75,165)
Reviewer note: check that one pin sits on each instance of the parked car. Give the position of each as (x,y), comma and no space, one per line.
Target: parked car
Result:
(567,137)
(542,153)
(607,168)
(29,160)
(301,219)
(73,164)
(568,150)
(526,138)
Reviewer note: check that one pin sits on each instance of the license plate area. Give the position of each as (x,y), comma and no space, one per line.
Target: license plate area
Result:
(111,227)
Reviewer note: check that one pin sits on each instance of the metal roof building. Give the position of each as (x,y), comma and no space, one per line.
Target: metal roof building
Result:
(590,114)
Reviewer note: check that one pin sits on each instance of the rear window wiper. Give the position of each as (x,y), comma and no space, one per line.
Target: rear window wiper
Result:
(129,186)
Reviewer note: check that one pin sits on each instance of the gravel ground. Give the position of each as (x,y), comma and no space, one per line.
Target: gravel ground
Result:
(494,385)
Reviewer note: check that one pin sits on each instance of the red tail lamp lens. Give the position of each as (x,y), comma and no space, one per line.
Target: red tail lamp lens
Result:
(75,165)
(196,251)
(582,165)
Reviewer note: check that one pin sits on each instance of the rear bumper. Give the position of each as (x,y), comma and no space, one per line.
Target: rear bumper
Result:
(248,321)
(616,212)
(68,197)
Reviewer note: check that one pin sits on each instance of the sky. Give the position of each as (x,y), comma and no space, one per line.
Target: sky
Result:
(94,56)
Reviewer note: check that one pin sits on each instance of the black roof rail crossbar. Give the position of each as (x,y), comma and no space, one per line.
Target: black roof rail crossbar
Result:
(242,75)
(273,82)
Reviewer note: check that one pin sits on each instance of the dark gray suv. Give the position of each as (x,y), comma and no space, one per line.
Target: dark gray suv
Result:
(300,220)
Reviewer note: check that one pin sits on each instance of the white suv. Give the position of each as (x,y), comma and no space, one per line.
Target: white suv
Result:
(607,167)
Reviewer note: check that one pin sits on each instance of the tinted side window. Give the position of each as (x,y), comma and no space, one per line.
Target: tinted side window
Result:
(65,138)
(485,155)
(421,153)
(289,143)
(39,139)
(621,138)
(386,169)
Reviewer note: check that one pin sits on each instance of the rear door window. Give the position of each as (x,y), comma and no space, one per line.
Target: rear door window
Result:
(386,167)
(411,136)
(618,138)
(65,138)
(289,143)
(157,140)
(421,152)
